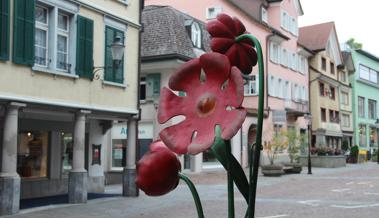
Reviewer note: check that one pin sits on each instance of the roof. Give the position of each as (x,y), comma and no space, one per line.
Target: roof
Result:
(165,34)
(253,10)
(315,37)
(367,54)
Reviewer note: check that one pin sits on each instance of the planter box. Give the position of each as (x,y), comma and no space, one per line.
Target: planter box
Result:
(324,161)
(272,170)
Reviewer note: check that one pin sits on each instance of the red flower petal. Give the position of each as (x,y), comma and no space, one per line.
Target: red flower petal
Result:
(218,29)
(216,67)
(178,137)
(233,94)
(239,27)
(231,122)
(233,55)
(189,71)
(250,53)
(221,45)
(228,22)
(170,105)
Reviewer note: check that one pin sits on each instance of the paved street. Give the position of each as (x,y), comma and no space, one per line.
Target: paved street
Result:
(351,192)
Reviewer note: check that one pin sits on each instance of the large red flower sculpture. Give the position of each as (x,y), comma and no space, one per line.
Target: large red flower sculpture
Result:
(158,170)
(215,101)
(224,31)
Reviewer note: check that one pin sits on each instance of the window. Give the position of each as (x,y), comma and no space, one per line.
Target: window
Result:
(196,35)
(41,36)
(332,70)
(118,153)
(343,76)
(361,106)
(32,154)
(293,61)
(323,63)
(274,52)
(344,98)
(373,136)
(332,93)
(364,72)
(371,109)
(112,72)
(373,76)
(323,114)
(288,23)
(264,15)
(362,135)
(284,57)
(286,90)
(322,89)
(4,27)
(143,88)
(277,129)
(295,93)
(67,149)
(213,12)
(251,88)
(279,89)
(333,116)
(345,120)
(62,42)
(153,85)
(271,86)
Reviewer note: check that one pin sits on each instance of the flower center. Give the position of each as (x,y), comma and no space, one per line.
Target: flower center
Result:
(206,106)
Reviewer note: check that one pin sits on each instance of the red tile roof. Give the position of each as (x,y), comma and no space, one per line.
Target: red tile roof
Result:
(315,37)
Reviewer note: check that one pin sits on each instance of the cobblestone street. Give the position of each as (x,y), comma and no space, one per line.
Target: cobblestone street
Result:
(349,192)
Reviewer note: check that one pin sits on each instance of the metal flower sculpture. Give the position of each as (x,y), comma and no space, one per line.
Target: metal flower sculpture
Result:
(211,90)
(158,170)
(211,99)
(224,31)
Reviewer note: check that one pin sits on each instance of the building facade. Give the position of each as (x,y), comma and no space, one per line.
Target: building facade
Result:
(324,83)
(274,23)
(55,113)
(365,88)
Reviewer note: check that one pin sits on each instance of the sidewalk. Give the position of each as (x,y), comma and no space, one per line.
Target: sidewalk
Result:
(352,191)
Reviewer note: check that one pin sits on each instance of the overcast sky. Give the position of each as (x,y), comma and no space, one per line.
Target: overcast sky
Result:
(357,19)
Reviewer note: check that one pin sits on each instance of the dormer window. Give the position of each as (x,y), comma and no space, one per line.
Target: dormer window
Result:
(264,15)
(213,12)
(196,35)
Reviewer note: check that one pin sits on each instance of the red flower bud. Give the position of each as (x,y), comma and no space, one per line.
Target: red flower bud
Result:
(158,170)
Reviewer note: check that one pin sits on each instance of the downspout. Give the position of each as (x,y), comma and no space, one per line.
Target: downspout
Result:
(266,74)
(142,5)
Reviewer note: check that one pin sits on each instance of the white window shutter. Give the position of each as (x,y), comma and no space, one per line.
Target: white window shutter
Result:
(272,52)
(256,84)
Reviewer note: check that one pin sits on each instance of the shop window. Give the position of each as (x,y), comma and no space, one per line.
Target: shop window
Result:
(32,154)
(118,153)
(67,152)
(362,135)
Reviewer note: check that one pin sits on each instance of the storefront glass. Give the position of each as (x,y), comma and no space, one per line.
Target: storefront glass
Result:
(67,149)
(33,154)
(373,137)
(118,152)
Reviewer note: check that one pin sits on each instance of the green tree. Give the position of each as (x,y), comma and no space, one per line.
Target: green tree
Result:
(353,44)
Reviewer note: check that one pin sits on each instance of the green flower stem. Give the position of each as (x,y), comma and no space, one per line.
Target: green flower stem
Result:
(194,193)
(253,168)
(230,180)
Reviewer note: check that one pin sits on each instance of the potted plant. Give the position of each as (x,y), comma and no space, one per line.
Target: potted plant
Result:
(277,144)
(293,152)
(354,151)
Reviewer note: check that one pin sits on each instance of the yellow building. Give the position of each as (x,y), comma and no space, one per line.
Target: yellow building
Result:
(61,89)
(324,84)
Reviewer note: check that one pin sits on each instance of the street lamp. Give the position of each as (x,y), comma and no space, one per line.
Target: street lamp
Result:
(308,116)
(377,140)
(117,51)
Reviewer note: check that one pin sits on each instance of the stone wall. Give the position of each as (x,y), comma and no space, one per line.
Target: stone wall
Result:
(324,161)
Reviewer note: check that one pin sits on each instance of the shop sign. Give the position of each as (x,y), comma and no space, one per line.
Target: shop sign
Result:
(120,131)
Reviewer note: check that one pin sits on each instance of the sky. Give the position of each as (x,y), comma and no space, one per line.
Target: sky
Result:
(356,19)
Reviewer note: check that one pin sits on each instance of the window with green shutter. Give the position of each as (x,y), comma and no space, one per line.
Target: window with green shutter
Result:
(153,85)
(23,32)
(84,52)
(4,27)
(111,72)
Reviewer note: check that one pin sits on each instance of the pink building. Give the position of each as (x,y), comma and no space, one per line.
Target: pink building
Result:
(275,24)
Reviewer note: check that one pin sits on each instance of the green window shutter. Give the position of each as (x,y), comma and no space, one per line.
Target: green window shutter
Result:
(23,32)
(84,47)
(4,27)
(153,85)
(111,73)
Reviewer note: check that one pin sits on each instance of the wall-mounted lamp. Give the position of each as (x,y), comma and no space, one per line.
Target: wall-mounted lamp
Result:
(117,51)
